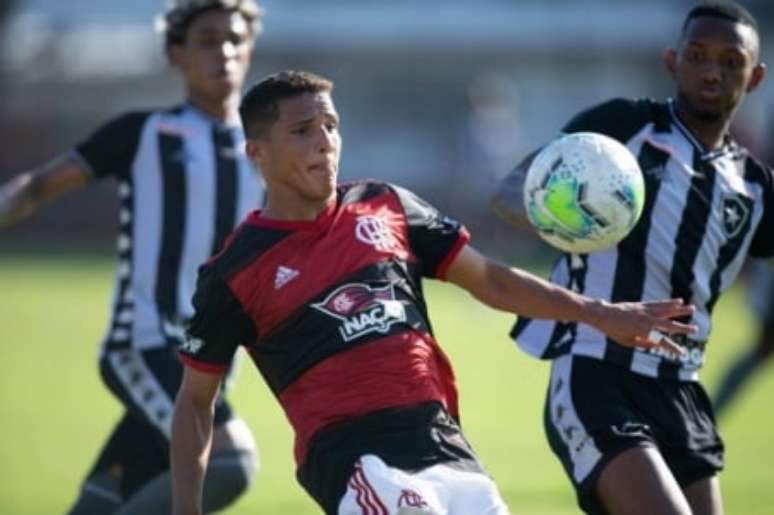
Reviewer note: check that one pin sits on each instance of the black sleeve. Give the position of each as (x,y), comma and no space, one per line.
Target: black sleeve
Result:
(218,327)
(110,149)
(762,245)
(618,118)
(434,238)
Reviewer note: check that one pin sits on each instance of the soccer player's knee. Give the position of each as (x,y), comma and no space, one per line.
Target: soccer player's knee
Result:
(229,474)
(241,465)
(100,495)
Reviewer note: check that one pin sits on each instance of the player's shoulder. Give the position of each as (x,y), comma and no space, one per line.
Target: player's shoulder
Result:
(126,123)
(620,118)
(755,169)
(630,106)
(246,244)
(363,190)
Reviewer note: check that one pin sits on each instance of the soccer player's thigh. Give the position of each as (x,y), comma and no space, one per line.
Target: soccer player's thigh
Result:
(691,445)
(704,496)
(594,428)
(145,381)
(467,491)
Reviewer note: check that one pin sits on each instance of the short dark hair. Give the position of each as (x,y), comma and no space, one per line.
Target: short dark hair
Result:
(260,109)
(727,10)
(175,21)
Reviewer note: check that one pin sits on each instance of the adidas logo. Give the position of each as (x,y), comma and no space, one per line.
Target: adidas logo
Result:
(284,276)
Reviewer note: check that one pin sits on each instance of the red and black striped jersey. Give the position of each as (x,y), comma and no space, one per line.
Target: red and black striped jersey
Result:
(331,310)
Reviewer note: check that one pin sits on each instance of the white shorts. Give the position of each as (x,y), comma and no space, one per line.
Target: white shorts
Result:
(376,489)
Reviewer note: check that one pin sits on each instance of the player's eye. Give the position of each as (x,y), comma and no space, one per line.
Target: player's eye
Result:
(694,55)
(732,62)
(236,39)
(207,41)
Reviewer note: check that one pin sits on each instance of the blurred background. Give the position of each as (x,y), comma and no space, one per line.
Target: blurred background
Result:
(440,96)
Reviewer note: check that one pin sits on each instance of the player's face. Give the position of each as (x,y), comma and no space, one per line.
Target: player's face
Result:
(715,64)
(215,55)
(300,155)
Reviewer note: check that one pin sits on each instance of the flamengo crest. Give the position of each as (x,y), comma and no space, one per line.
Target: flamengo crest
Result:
(363,309)
(375,231)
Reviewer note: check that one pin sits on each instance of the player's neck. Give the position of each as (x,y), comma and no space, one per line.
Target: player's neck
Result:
(711,133)
(222,109)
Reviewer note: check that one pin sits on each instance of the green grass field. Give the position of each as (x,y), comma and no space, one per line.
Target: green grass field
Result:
(55,411)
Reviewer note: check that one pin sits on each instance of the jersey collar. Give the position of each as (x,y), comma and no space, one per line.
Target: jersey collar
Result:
(729,146)
(321,222)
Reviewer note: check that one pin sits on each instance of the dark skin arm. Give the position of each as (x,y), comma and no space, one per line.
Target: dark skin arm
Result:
(507,202)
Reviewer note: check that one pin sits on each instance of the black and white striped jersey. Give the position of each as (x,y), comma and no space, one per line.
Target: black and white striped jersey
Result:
(184,182)
(705,212)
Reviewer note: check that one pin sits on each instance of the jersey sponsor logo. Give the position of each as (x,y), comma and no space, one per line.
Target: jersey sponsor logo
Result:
(363,309)
(284,276)
(375,231)
(735,214)
(693,357)
(411,499)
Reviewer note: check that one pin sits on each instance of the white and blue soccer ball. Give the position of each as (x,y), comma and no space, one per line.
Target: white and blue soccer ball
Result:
(584,192)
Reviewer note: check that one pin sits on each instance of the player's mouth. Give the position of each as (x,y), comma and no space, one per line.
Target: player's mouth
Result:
(710,94)
(326,169)
(225,72)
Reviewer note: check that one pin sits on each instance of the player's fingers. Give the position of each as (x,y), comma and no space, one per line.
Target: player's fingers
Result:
(663,303)
(669,308)
(662,341)
(659,340)
(673,327)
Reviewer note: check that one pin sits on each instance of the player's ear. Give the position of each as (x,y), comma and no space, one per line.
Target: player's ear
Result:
(175,54)
(255,150)
(670,61)
(758,74)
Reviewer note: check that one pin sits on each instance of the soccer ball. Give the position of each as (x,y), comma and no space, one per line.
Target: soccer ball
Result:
(584,192)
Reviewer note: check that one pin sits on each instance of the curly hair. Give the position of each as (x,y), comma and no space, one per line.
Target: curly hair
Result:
(174,22)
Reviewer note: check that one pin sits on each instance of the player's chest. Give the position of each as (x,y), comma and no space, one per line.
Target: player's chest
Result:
(309,264)
(703,203)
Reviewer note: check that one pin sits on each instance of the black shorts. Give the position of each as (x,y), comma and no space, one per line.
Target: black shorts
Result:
(595,410)
(146,382)
(409,438)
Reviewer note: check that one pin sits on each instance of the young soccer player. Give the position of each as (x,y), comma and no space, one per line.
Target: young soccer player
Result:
(634,428)
(323,288)
(184,181)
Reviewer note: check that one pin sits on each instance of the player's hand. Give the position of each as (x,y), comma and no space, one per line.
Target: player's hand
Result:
(646,324)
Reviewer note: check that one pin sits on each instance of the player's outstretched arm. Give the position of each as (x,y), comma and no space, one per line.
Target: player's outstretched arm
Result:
(192,439)
(511,289)
(507,202)
(23,194)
